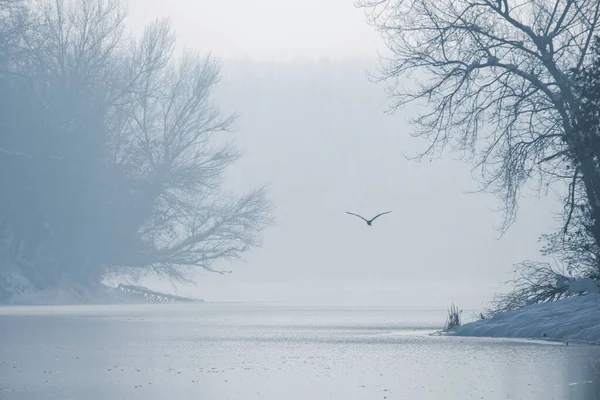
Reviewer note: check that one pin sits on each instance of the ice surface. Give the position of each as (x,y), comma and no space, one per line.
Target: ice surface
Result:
(232,351)
(572,319)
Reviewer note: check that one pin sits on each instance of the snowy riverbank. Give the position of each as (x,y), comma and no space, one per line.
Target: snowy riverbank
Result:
(15,289)
(70,295)
(576,319)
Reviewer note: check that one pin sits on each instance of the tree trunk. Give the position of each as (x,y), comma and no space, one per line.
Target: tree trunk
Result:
(587,156)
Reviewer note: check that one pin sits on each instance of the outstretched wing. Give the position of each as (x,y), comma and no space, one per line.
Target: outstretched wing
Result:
(356,215)
(379,215)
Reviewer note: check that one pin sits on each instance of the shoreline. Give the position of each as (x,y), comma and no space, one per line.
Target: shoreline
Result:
(76,295)
(573,320)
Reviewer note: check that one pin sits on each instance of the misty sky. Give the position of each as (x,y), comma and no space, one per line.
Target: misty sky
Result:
(266,29)
(320,138)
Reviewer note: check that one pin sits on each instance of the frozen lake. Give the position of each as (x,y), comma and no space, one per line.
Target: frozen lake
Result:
(243,352)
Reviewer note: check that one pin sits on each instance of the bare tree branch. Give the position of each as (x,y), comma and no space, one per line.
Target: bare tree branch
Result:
(497,79)
(169,141)
(113,152)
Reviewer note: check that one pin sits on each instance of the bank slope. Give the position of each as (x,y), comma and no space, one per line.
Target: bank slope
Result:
(576,319)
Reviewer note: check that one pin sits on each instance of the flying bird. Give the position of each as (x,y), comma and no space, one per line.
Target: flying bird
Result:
(369,221)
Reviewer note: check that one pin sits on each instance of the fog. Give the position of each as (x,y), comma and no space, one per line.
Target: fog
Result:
(226,151)
(313,127)
(269,29)
(116,160)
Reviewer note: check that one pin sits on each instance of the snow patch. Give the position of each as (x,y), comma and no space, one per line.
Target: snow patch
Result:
(575,319)
(16,289)
(583,285)
(12,282)
(73,294)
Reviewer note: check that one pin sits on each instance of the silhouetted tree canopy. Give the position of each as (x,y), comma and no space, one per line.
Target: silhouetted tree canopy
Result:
(513,86)
(112,152)
(496,81)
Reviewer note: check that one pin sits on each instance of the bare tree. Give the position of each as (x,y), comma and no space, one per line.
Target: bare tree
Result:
(533,283)
(499,81)
(112,152)
(13,22)
(167,145)
(53,138)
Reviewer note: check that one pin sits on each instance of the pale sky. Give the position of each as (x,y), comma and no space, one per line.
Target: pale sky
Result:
(323,143)
(265,29)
